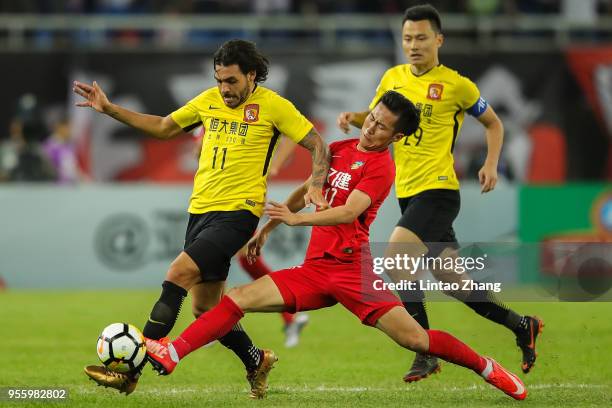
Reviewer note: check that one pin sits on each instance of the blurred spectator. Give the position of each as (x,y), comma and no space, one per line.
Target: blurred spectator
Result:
(9,149)
(27,133)
(61,151)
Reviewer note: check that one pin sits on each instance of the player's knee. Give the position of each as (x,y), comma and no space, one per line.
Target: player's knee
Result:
(244,297)
(238,296)
(182,275)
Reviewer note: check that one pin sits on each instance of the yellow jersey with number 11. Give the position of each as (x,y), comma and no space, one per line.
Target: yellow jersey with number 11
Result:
(424,159)
(237,147)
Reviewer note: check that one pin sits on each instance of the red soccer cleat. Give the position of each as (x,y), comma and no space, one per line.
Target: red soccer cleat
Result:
(504,380)
(158,355)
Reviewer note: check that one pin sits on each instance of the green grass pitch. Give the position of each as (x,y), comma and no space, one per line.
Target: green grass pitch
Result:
(47,338)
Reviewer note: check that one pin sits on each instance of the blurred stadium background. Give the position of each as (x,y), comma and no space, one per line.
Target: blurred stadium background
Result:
(111,214)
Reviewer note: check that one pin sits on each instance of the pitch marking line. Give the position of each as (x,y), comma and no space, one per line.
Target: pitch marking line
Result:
(325,388)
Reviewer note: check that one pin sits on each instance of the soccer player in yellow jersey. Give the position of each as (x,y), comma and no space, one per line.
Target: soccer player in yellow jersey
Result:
(426,184)
(243,122)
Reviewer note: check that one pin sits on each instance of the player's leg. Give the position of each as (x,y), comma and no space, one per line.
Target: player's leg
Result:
(486,304)
(221,322)
(355,287)
(293,324)
(405,331)
(425,218)
(289,289)
(256,270)
(404,241)
(182,274)
(207,295)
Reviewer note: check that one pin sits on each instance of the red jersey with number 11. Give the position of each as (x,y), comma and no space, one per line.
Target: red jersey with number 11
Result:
(371,173)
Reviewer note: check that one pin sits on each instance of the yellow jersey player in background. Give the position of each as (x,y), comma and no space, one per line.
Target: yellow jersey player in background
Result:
(426,184)
(242,122)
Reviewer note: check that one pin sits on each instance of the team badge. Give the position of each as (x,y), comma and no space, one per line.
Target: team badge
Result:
(435,91)
(356,165)
(251,113)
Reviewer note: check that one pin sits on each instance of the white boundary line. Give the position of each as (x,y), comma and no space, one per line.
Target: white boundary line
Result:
(324,388)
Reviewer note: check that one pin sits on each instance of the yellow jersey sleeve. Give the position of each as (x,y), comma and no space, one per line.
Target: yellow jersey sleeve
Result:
(188,116)
(288,120)
(467,93)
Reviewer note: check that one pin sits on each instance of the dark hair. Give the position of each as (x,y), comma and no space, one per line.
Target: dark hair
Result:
(245,55)
(408,116)
(424,12)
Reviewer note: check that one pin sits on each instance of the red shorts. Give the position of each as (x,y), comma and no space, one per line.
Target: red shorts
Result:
(323,282)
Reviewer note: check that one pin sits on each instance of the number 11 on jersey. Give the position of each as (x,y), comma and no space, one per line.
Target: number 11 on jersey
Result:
(216,150)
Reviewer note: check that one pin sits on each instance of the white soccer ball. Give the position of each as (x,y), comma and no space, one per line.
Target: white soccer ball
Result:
(121,347)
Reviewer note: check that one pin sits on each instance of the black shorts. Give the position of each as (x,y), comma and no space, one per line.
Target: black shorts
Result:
(214,237)
(430,215)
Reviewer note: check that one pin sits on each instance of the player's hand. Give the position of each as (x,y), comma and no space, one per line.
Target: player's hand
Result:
(253,247)
(94,96)
(278,211)
(487,177)
(344,121)
(314,195)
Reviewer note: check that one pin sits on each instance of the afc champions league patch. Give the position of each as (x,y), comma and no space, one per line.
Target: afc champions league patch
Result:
(356,165)
(435,91)
(251,113)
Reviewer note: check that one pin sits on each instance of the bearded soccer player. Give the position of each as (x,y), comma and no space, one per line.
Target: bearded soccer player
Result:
(426,184)
(338,268)
(243,121)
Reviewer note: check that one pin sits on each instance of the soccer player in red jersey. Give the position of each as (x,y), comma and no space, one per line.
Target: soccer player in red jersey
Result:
(426,184)
(337,268)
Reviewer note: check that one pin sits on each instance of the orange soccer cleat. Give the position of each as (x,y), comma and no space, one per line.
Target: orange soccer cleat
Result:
(504,380)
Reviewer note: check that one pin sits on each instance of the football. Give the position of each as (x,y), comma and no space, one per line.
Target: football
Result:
(121,347)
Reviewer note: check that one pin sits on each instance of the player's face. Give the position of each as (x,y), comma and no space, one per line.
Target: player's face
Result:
(234,86)
(378,130)
(420,43)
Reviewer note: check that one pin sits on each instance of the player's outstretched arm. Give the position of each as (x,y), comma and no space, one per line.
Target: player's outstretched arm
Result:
(494,132)
(295,202)
(345,119)
(95,98)
(356,204)
(320,166)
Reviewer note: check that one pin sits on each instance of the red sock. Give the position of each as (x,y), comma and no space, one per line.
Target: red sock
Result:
(256,271)
(288,318)
(447,347)
(208,327)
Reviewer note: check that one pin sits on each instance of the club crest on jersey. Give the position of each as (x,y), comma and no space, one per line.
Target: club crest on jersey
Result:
(251,113)
(356,165)
(435,91)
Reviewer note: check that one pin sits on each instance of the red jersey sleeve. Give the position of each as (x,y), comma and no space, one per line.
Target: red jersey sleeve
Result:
(378,179)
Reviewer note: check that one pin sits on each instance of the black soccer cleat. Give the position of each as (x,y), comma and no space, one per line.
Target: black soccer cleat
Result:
(423,366)
(526,340)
